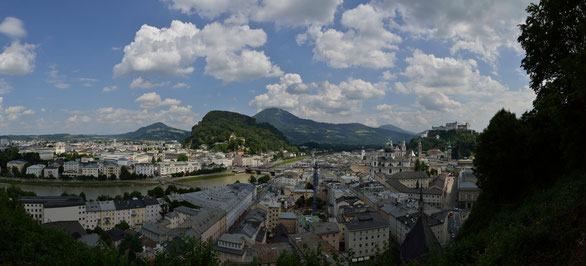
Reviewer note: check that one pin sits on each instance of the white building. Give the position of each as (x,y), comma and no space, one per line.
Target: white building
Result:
(36,170)
(51,171)
(168,168)
(71,167)
(90,170)
(56,209)
(147,169)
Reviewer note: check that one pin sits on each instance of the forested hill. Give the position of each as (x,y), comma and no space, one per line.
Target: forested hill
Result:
(216,127)
(463,143)
(156,131)
(300,131)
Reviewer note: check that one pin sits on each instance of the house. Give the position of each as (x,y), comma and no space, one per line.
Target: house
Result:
(329,232)
(19,164)
(289,220)
(90,170)
(36,170)
(51,172)
(48,209)
(231,248)
(365,234)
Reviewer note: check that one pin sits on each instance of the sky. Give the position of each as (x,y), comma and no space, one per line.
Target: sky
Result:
(106,67)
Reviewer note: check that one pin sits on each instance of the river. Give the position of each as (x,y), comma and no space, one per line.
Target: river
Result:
(94,192)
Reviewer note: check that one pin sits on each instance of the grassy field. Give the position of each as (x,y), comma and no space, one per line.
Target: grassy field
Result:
(75,183)
(290,161)
(205,177)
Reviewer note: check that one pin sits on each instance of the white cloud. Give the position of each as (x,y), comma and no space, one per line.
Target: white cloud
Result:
(4,86)
(56,79)
(14,112)
(320,101)
(88,82)
(181,85)
(79,119)
(481,27)
(144,83)
(366,43)
(282,12)
(449,89)
(153,100)
(387,75)
(109,88)
(173,50)
(129,119)
(12,27)
(17,59)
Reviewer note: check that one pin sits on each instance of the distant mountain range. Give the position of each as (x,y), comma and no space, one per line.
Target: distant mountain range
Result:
(228,131)
(156,131)
(300,131)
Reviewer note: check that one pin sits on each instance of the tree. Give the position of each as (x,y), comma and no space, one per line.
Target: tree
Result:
(159,159)
(61,169)
(252,179)
(300,202)
(131,245)
(157,192)
(123,225)
(554,39)
(182,158)
(187,251)
(289,259)
(264,179)
(153,161)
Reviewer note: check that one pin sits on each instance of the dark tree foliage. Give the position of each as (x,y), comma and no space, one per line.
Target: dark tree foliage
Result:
(187,251)
(182,158)
(264,179)
(554,39)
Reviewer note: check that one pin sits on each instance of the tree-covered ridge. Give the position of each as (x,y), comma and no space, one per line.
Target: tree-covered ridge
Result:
(300,131)
(463,143)
(228,131)
(156,131)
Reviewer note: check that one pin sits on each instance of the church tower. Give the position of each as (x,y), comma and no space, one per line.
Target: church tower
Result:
(419,149)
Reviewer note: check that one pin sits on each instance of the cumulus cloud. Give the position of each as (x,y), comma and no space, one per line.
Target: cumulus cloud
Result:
(109,88)
(481,27)
(153,100)
(79,119)
(449,89)
(366,43)
(17,59)
(318,100)
(173,50)
(4,87)
(124,119)
(286,13)
(144,83)
(14,112)
(12,27)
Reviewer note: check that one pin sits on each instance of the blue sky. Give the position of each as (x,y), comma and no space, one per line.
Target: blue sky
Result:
(101,67)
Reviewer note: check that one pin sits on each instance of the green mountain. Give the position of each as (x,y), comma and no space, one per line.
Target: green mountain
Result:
(156,131)
(396,129)
(229,131)
(300,131)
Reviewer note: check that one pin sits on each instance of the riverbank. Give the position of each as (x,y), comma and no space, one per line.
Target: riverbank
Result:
(51,183)
(288,161)
(205,177)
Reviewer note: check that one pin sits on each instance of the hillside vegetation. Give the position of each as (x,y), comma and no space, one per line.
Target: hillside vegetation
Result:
(216,127)
(156,131)
(300,131)
(463,143)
